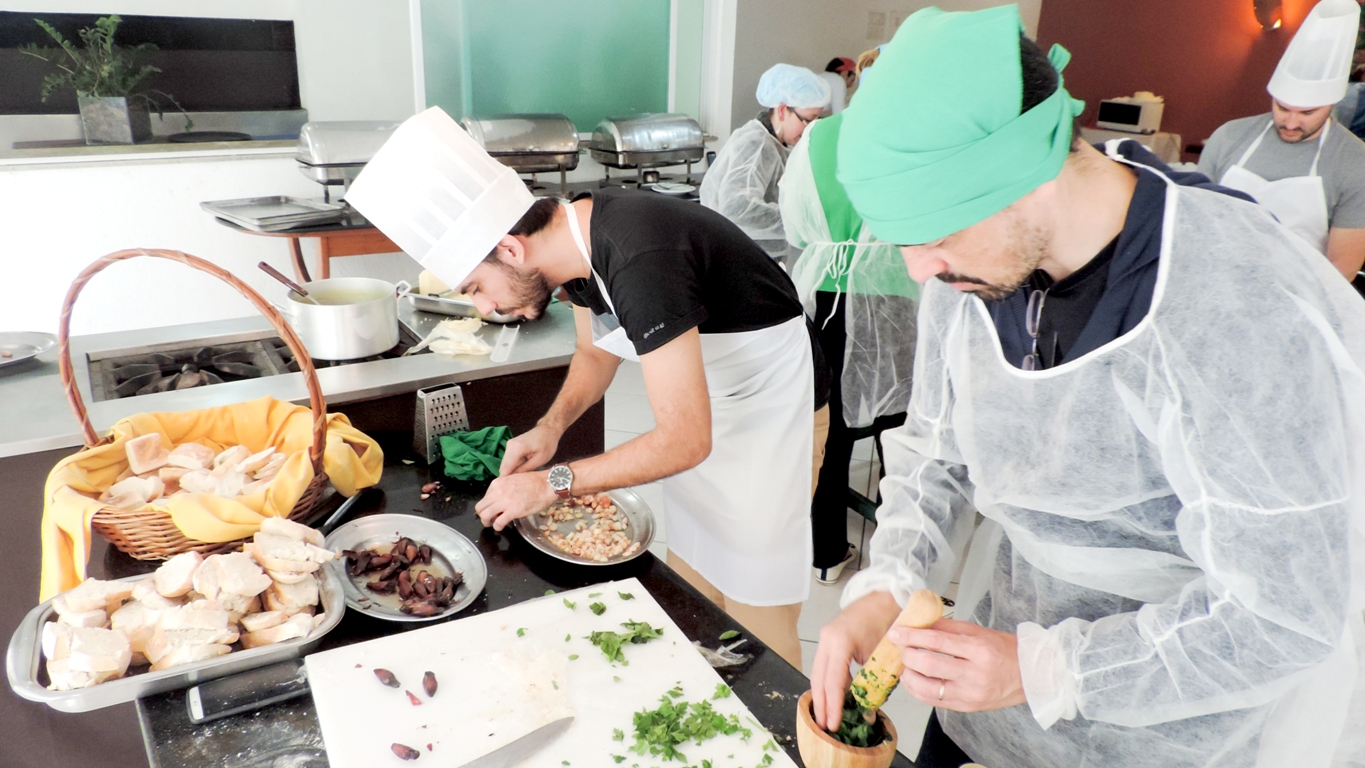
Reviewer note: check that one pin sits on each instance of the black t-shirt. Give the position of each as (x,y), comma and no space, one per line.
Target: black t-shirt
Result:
(672,265)
(1111,294)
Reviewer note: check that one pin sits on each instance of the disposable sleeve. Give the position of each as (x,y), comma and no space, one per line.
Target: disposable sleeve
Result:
(926,512)
(755,164)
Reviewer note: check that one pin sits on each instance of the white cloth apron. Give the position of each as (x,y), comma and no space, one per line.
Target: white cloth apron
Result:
(1299,202)
(741,518)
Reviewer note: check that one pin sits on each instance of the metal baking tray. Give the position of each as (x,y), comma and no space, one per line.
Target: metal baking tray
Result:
(24,660)
(277,213)
(456,308)
(639,525)
(450,551)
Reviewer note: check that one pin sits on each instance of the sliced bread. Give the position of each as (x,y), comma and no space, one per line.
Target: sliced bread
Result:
(299,625)
(191,456)
(186,654)
(146,453)
(94,593)
(283,526)
(176,577)
(255,622)
(99,651)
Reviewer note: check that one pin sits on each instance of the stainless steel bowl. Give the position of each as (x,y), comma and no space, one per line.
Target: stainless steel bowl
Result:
(450,551)
(639,526)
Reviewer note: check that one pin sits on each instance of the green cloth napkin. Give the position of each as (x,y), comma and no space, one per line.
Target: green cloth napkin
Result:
(475,455)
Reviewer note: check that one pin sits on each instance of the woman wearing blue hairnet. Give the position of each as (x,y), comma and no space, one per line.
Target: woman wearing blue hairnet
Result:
(742,182)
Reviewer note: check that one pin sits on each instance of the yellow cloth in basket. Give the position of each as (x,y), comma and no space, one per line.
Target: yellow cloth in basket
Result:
(352,461)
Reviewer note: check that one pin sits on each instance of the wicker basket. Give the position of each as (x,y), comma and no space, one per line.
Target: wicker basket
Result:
(149,534)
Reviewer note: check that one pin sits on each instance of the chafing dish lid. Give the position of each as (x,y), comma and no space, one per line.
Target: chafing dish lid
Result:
(649,132)
(342,142)
(523,134)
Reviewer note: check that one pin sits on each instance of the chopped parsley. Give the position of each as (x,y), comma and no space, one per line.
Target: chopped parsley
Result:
(722,692)
(572,606)
(598,608)
(626,595)
(659,732)
(618,735)
(573,656)
(638,632)
(549,592)
(728,634)
(594,594)
(521,631)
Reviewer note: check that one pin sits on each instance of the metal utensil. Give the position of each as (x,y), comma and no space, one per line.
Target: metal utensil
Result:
(365,494)
(502,349)
(22,345)
(290,284)
(515,752)
(639,527)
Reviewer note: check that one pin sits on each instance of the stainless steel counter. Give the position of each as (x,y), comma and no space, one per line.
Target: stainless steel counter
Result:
(36,416)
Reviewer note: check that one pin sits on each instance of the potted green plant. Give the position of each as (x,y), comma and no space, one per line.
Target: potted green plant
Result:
(106,78)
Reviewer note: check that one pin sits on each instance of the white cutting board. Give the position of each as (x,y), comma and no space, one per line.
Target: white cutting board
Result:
(361,718)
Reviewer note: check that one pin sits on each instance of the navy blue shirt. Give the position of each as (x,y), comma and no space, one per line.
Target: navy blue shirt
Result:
(1111,294)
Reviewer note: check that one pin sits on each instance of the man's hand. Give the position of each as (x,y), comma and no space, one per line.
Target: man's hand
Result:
(977,669)
(532,450)
(512,496)
(852,636)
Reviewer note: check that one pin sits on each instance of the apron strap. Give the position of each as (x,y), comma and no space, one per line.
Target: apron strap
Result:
(577,233)
(843,221)
(1322,139)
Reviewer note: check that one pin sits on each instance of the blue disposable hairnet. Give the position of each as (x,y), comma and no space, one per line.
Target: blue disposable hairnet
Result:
(794,86)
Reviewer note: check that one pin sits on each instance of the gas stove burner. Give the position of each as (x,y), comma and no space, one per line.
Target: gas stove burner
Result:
(161,372)
(197,365)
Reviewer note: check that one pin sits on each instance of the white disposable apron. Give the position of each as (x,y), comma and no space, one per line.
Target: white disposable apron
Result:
(1157,577)
(1299,202)
(741,518)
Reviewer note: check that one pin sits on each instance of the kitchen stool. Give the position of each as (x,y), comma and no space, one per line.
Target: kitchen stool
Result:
(348,237)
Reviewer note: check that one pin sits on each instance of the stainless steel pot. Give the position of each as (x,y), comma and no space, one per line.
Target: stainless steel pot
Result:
(355,317)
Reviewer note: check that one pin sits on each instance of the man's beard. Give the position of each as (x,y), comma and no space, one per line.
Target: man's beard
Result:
(1026,248)
(531,291)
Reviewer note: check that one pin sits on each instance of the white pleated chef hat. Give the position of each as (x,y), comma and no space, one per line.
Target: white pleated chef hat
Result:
(1314,69)
(439,196)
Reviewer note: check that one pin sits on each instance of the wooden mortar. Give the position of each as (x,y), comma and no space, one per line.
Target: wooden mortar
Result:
(819,749)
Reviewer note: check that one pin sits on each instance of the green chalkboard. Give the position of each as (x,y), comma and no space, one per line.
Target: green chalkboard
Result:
(585,58)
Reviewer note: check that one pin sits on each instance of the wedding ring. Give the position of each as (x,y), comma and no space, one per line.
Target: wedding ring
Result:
(941,689)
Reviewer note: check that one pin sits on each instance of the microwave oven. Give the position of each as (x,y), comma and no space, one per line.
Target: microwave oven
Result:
(1131,114)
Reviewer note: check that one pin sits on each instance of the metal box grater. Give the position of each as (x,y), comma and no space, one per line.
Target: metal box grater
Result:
(440,411)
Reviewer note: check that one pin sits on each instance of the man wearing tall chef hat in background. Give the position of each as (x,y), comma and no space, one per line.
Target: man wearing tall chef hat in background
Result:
(1298,161)
(713,321)
(1172,569)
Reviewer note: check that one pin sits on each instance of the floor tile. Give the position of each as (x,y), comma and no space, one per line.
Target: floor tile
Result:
(859,476)
(629,380)
(653,495)
(822,605)
(628,413)
(863,449)
(615,437)
(659,549)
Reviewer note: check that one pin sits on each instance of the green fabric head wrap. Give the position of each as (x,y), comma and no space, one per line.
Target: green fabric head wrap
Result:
(934,142)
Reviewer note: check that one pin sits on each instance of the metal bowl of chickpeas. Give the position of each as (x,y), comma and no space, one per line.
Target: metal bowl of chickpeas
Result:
(593,529)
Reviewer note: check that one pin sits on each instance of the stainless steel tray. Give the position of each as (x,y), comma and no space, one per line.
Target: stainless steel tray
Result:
(277,213)
(23,662)
(639,525)
(450,550)
(22,345)
(455,308)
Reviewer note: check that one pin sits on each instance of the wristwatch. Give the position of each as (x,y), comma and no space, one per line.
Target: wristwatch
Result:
(560,480)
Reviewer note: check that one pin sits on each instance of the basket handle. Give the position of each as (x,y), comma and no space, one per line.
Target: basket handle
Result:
(310,376)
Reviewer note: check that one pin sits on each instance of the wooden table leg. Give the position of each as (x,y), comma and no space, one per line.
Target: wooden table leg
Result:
(300,268)
(324,257)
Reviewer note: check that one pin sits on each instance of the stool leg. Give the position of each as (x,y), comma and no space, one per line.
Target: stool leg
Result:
(296,255)
(324,259)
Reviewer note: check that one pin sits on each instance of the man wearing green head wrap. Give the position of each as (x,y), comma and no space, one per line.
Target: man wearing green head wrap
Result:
(1150,390)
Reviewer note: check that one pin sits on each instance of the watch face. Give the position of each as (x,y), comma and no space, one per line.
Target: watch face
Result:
(561,477)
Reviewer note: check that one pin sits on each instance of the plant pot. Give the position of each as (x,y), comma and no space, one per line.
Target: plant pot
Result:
(112,120)
(821,750)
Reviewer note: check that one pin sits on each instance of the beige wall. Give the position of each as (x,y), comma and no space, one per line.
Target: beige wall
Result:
(811,32)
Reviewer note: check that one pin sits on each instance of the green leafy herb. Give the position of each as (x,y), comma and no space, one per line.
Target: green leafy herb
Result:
(659,732)
(598,608)
(409,462)
(619,758)
(618,735)
(573,656)
(771,746)
(568,637)
(611,642)
(549,592)
(727,634)
(854,729)
(615,679)
(722,692)
(626,595)
(676,692)
(521,631)
(594,594)
(767,760)
(572,606)
(555,683)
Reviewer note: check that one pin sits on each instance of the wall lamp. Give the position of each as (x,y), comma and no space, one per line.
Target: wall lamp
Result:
(1269,13)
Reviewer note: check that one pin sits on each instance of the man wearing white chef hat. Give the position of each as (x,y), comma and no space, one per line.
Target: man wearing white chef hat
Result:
(1310,173)
(715,324)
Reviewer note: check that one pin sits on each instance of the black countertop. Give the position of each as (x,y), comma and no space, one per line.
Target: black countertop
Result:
(288,733)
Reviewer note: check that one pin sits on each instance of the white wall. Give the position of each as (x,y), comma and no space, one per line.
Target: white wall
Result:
(354,56)
(811,32)
(355,62)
